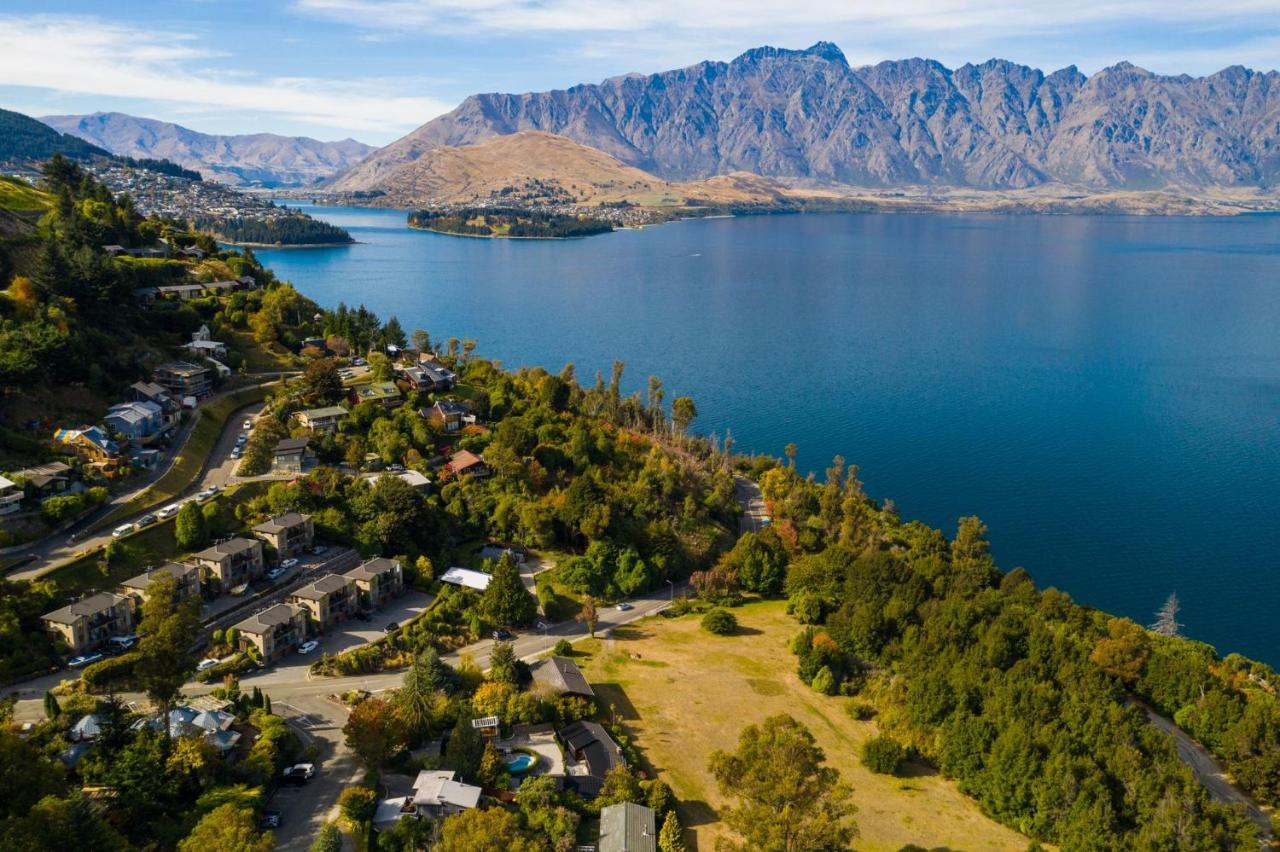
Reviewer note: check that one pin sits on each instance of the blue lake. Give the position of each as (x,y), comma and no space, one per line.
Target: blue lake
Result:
(1103,391)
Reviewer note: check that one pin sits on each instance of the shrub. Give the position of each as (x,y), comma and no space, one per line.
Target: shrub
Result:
(824,681)
(563,648)
(719,621)
(883,754)
(110,673)
(328,839)
(860,710)
(357,805)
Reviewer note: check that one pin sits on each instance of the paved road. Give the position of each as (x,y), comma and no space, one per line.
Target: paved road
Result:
(755,516)
(1209,772)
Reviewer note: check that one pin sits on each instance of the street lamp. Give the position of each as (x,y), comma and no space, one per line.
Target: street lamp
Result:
(672,584)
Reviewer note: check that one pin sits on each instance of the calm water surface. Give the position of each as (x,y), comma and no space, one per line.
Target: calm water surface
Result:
(1104,392)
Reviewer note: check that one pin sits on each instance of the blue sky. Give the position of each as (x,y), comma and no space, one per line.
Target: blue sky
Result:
(375,69)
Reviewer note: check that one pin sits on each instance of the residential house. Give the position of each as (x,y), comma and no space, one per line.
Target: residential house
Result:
(152,392)
(89,623)
(494,553)
(378,579)
(220,287)
(466,578)
(290,533)
(181,292)
(328,600)
(324,419)
(49,480)
(10,496)
(246,282)
(627,827)
(448,415)
(466,463)
(594,752)
(562,676)
(416,480)
(182,378)
(194,253)
(437,794)
(140,422)
(90,444)
(213,726)
(291,455)
(207,348)
(273,632)
(444,378)
(186,577)
(386,394)
(231,562)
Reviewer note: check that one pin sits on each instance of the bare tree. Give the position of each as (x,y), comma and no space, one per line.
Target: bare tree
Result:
(1167,623)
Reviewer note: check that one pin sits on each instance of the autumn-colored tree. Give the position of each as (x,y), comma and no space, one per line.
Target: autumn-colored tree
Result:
(227,828)
(374,731)
(1124,651)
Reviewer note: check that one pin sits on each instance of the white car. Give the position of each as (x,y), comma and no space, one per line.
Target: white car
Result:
(306,648)
(207,663)
(205,494)
(275,573)
(289,563)
(624,606)
(124,643)
(235,454)
(248,424)
(169,511)
(123,529)
(84,660)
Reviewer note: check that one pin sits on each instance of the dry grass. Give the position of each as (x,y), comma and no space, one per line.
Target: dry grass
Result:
(683,693)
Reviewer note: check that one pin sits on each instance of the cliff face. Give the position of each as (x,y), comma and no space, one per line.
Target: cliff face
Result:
(808,114)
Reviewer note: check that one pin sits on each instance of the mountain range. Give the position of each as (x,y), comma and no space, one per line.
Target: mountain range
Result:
(809,118)
(261,158)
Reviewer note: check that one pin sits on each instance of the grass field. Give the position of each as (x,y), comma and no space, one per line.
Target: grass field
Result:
(20,197)
(683,693)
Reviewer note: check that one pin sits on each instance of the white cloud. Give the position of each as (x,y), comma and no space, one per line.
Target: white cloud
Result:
(87,56)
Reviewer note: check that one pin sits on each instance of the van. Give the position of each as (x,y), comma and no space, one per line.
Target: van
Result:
(122,530)
(169,511)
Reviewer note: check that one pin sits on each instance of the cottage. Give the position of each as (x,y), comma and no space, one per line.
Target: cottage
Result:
(273,632)
(10,496)
(378,579)
(182,378)
(181,292)
(140,422)
(444,378)
(89,623)
(561,676)
(186,577)
(290,533)
(328,600)
(385,394)
(448,415)
(325,419)
(437,794)
(291,455)
(627,827)
(590,745)
(231,562)
(207,348)
(466,578)
(466,463)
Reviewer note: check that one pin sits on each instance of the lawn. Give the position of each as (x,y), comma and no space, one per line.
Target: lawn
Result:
(186,468)
(682,693)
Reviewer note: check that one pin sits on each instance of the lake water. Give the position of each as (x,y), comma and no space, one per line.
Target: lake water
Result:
(1103,391)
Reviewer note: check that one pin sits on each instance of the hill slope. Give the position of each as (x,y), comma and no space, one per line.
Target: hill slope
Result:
(236,160)
(23,139)
(807,114)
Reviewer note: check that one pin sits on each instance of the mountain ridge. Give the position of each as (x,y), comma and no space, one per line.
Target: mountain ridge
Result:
(808,115)
(237,160)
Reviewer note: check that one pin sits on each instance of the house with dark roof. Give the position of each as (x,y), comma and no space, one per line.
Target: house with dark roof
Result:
(48,480)
(140,422)
(328,600)
(324,419)
(290,533)
(291,455)
(186,578)
(561,676)
(232,562)
(386,394)
(89,623)
(628,827)
(593,753)
(378,580)
(275,631)
(448,415)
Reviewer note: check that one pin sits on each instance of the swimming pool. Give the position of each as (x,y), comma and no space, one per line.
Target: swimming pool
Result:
(518,762)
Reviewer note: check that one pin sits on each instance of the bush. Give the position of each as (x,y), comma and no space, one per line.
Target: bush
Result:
(238,664)
(719,621)
(563,648)
(328,839)
(357,805)
(883,754)
(110,673)
(824,681)
(861,711)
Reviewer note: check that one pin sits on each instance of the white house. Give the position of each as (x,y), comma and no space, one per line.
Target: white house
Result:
(467,578)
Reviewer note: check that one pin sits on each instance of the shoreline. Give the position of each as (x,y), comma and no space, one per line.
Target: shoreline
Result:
(413,227)
(287,245)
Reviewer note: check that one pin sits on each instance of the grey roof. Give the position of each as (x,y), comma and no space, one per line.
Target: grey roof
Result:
(181,368)
(371,568)
(84,608)
(292,445)
(563,676)
(327,411)
(598,749)
(149,389)
(326,585)
(280,523)
(230,547)
(177,570)
(627,827)
(269,619)
(47,469)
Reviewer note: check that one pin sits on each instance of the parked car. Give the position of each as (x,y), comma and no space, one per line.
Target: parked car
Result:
(307,770)
(207,663)
(295,779)
(169,511)
(289,563)
(123,643)
(306,648)
(84,660)
(319,550)
(624,606)
(502,634)
(276,573)
(247,425)
(235,454)
(269,819)
(123,530)
(146,521)
(390,626)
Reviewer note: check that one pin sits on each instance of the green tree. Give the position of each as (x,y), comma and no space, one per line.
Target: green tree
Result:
(328,839)
(683,412)
(503,665)
(488,830)
(165,638)
(788,799)
(465,750)
(619,786)
(883,755)
(358,805)
(506,600)
(374,732)
(54,824)
(719,621)
(671,838)
(587,615)
(51,707)
(190,531)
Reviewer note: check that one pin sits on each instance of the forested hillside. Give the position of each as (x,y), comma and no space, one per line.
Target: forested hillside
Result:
(23,139)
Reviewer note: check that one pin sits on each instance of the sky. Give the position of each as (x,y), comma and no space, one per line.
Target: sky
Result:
(375,69)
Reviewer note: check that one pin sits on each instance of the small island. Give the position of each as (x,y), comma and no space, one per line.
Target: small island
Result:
(509,222)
